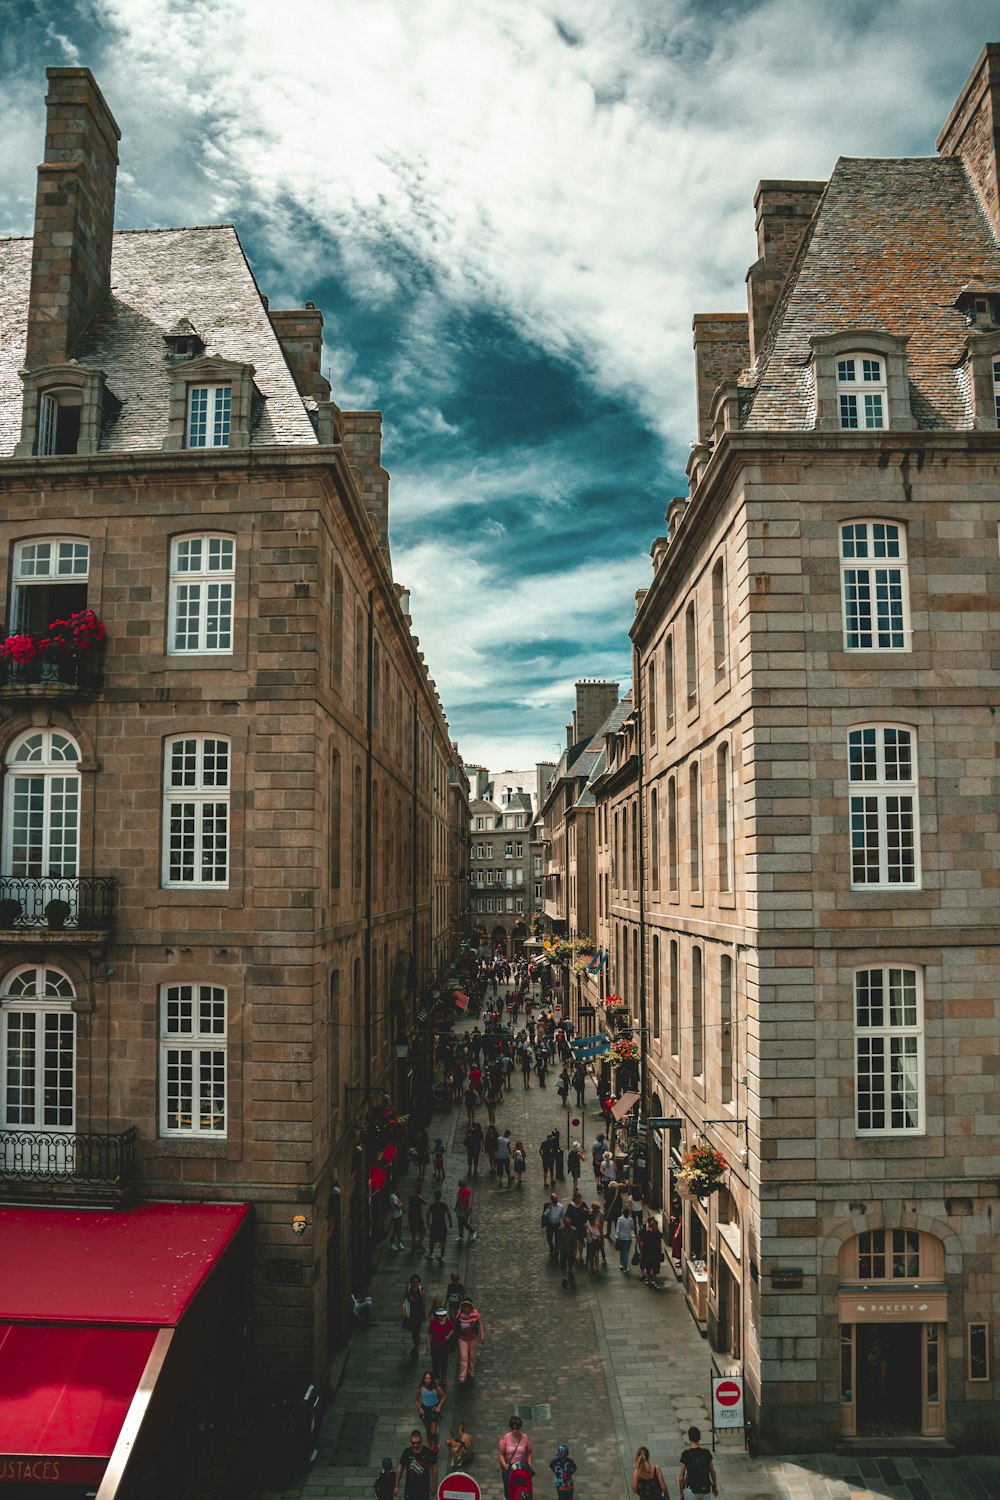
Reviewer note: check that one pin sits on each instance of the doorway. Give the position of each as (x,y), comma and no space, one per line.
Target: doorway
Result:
(888,1379)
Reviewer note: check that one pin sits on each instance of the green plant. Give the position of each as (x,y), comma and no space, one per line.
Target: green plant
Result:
(701,1170)
(57,911)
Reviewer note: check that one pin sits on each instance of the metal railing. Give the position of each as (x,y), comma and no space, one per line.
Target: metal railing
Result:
(83,670)
(84,902)
(82,1158)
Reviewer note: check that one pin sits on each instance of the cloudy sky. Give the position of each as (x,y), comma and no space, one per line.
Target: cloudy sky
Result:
(509,211)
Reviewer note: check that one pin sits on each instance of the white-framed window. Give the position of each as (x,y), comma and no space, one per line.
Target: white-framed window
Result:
(59,418)
(202,581)
(48,582)
(885,844)
(196,812)
(209,416)
(694,824)
(479,824)
(41,832)
(538,890)
(193,1060)
(862,392)
(888,1043)
(519,903)
(874,586)
(38,1067)
(518,849)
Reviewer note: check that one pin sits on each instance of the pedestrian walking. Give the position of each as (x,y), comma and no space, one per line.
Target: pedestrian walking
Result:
(419,1466)
(461,1449)
(563,1468)
(503,1159)
(519,1163)
(440,1342)
(563,1086)
(463,1211)
(514,1448)
(471,1336)
(547,1151)
(647,1478)
(578,1213)
(552,1217)
(592,1244)
(414,1310)
(439,1160)
(415,1209)
(697,1472)
(473,1147)
(438,1224)
(650,1252)
(597,1151)
(453,1297)
(567,1242)
(396,1222)
(636,1205)
(596,1209)
(541,1066)
(608,1170)
(470,1099)
(422,1155)
(574,1163)
(614,1206)
(429,1400)
(508,1070)
(624,1232)
(579,1083)
(490,1145)
(385,1481)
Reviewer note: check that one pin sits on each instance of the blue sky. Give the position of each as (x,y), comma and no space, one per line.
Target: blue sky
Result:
(509,212)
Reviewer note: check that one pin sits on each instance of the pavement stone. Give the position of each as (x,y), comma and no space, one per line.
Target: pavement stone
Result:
(618,1364)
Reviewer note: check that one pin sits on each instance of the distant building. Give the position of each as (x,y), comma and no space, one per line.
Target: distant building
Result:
(816,732)
(501,812)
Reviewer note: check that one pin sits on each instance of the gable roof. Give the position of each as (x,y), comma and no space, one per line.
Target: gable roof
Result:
(160,279)
(891,246)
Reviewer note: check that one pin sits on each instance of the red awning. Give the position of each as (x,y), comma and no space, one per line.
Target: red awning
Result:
(621,1106)
(64,1394)
(389,1153)
(461,1000)
(88,1305)
(376,1179)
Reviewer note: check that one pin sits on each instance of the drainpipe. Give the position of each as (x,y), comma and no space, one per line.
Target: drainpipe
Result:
(643,1029)
(367,926)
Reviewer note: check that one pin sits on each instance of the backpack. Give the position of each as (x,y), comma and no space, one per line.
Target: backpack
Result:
(519,1162)
(697,1462)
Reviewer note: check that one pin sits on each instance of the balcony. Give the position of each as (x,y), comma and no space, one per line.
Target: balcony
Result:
(53,674)
(82,1166)
(60,908)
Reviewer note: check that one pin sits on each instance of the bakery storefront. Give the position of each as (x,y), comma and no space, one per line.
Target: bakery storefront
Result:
(893,1316)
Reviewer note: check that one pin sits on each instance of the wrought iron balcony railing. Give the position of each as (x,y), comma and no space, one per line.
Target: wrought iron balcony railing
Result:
(60,671)
(83,903)
(79,1158)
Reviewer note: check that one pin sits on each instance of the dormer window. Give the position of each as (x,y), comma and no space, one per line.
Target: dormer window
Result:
(183,341)
(210,416)
(213,404)
(59,415)
(861,391)
(862,383)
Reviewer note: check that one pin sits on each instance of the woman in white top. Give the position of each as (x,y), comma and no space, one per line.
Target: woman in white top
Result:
(635,1206)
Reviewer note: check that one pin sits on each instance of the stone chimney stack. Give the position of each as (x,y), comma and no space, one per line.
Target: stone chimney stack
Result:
(972,130)
(784,212)
(594,702)
(74,217)
(300,334)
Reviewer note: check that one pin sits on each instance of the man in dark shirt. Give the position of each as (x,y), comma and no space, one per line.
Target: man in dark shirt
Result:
(697,1475)
(419,1465)
(438,1224)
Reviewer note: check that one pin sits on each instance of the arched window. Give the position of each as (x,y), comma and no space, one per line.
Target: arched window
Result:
(726,1047)
(891,1255)
(336,812)
(48,582)
(202,582)
(337,627)
(357,820)
(668,683)
(874,586)
(675,979)
(654,841)
(672,851)
(697,1014)
(38,1068)
(651,703)
(694,824)
(720,646)
(722,819)
(193,1073)
(884,811)
(41,836)
(691,650)
(861,391)
(656,987)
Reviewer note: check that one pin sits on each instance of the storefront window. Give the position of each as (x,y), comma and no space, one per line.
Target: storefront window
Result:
(933,1384)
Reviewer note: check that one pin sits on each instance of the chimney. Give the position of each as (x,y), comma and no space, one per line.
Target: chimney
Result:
(363,450)
(594,702)
(721,351)
(784,212)
(972,130)
(300,334)
(74,217)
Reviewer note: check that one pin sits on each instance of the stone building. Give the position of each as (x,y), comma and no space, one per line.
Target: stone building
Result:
(230,835)
(501,812)
(817,665)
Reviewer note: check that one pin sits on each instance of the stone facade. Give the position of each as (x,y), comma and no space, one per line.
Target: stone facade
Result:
(821,818)
(310,922)
(500,818)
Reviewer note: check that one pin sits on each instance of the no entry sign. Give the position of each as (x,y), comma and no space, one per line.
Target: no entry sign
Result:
(727,1401)
(459,1486)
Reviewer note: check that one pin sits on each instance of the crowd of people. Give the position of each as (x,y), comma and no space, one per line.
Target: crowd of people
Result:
(480,1066)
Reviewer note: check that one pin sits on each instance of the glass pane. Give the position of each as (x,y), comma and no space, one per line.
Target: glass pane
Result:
(198,417)
(863,755)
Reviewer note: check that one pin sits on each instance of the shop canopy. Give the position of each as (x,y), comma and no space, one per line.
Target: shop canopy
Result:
(88,1306)
(621,1106)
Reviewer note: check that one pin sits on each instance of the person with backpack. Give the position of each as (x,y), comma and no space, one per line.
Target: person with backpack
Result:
(574,1163)
(697,1473)
(519,1163)
(647,1478)
(385,1481)
(563,1468)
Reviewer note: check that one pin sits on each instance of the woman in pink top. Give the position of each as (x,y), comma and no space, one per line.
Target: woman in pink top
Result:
(514,1448)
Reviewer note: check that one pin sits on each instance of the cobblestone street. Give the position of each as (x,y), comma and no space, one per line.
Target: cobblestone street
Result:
(611,1364)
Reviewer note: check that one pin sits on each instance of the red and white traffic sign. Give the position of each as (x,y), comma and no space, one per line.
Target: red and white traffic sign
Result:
(459,1486)
(727,1401)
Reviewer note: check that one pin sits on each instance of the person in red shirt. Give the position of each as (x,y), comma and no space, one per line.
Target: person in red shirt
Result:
(463,1210)
(469,1327)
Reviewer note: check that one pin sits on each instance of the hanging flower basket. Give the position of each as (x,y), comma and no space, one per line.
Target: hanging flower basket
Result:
(19,648)
(384,1127)
(613,1003)
(702,1170)
(77,635)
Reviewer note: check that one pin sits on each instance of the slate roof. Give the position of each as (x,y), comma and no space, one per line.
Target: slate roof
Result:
(891,246)
(159,278)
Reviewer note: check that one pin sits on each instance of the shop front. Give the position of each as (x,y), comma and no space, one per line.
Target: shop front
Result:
(892,1310)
